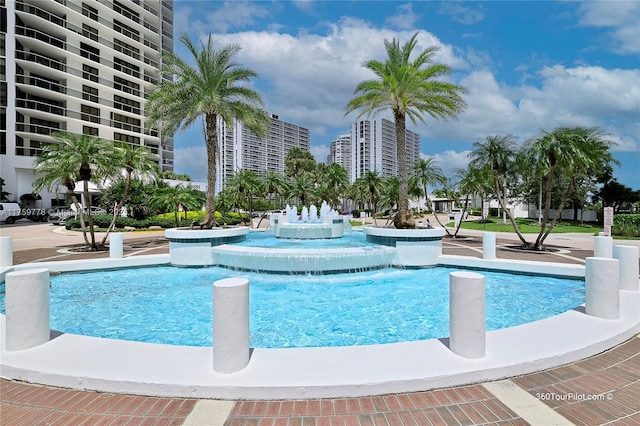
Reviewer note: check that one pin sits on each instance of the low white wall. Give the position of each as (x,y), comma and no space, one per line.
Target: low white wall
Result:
(567,214)
(189,247)
(520,266)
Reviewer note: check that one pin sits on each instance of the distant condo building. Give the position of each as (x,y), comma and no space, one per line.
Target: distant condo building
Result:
(242,149)
(83,67)
(340,152)
(373,148)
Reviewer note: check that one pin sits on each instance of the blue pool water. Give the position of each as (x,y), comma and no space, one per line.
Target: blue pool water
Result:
(174,305)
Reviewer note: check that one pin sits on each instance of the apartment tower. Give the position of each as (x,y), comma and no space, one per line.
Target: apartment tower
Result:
(373,148)
(340,152)
(240,148)
(79,66)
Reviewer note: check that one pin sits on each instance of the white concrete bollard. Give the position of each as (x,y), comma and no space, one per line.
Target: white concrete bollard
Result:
(230,325)
(629,268)
(602,246)
(467,319)
(6,252)
(602,285)
(27,308)
(116,249)
(488,245)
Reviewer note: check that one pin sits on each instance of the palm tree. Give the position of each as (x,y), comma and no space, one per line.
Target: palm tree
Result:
(334,180)
(426,172)
(390,195)
(409,89)
(209,89)
(303,188)
(497,154)
(169,198)
(468,184)
(136,162)
(247,184)
(372,184)
(75,157)
(567,152)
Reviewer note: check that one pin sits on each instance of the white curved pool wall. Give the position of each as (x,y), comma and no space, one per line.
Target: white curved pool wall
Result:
(414,247)
(193,247)
(332,226)
(82,362)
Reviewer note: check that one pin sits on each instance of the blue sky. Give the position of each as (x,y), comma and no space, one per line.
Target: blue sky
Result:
(528,67)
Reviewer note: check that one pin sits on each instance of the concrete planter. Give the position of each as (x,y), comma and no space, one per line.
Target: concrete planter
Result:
(415,247)
(192,247)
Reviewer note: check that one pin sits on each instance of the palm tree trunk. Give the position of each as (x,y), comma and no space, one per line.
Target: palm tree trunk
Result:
(211,139)
(496,183)
(116,209)
(404,217)
(87,198)
(558,214)
(547,207)
(430,206)
(466,204)
(76,203)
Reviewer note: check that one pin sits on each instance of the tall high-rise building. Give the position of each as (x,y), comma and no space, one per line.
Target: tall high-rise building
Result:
(373,148)
(240,148)
(83,67)
(340,152)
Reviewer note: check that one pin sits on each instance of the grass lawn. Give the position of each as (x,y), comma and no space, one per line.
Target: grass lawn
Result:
(529,226)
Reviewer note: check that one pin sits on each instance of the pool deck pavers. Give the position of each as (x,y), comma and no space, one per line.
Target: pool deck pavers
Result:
(599,390)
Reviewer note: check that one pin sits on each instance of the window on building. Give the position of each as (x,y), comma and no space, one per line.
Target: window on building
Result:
(88,130)
(126,30)
(125,122)
(126,86)
(89,73)
(90,32)
(89,52)
(125,11)
(90,12)
(89,93)
(90,113)
(125,48)
(126,67)
(126,104)
(134,140)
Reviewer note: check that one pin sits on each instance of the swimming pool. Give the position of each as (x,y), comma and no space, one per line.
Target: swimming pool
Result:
(173,305)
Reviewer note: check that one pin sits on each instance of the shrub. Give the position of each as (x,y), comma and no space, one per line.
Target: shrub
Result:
(626,225)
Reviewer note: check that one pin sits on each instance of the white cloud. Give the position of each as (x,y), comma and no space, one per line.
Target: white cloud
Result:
(405,18)
(192,161)
(464,14)
(235,14)
(622,19)
(450,161)
(320,152)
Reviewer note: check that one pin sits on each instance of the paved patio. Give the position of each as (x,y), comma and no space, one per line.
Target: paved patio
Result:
(604,389)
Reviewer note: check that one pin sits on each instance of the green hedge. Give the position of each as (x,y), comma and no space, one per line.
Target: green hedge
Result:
(104,220)
(166,220)
(626,225)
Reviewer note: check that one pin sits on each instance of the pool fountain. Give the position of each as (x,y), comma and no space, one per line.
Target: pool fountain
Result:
(387,247)
(308,225)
